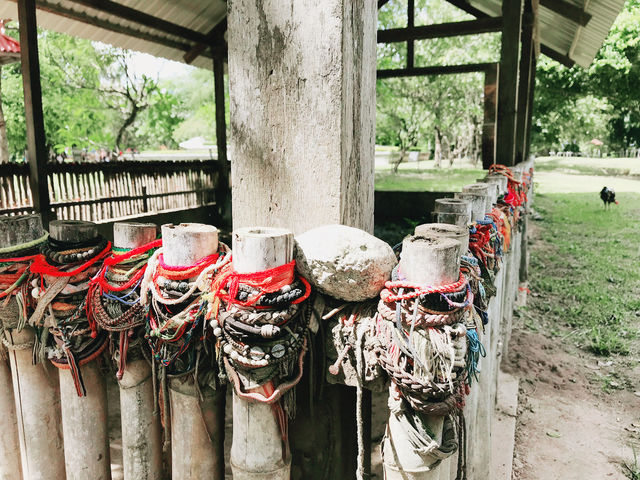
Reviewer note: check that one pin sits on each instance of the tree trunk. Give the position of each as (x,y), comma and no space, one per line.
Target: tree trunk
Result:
(4,142)
(127,123)
(396,165)
(437,153)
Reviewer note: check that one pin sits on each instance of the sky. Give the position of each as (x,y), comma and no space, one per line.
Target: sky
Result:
(154,67)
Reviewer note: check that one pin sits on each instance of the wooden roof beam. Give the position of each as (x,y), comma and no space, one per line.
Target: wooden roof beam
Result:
(557,56)
(452,29)
(144,19)
(215,40)
(567,10)
(435,70)
(465,6)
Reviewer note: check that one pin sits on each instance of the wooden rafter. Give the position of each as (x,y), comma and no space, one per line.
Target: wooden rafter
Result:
(451,29)
(435,70)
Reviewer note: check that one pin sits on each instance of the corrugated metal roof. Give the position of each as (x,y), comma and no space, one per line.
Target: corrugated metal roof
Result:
(565,36)
(557,32)
(197,15)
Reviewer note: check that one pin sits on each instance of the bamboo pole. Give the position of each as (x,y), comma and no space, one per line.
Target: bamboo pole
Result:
(39,425)
(197,426)
(84,419)
(258,451)
(141,432)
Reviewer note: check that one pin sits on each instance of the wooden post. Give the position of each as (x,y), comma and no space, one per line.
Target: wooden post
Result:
(490,124)
(197,427)
(429,260)
(36,142)
(532,88)
(141,432)
(84,419)
(526,65)
(223,190)
(302,99)
(302,112)
(258,451)
(508,81)
(39,423)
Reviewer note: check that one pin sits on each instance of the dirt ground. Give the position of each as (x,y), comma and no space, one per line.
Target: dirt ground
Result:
(570,424)
(567,427)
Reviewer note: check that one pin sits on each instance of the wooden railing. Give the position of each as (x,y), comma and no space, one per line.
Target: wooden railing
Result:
(102,192)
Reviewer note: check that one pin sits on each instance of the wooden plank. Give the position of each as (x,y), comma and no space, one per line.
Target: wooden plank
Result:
(36,142)
(490,116)
(508,81)
(143,19)
(567,10)
(527,52)
(434,70)
(441,30)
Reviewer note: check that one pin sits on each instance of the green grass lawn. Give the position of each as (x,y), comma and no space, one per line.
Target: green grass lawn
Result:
(584,273)
(431,179)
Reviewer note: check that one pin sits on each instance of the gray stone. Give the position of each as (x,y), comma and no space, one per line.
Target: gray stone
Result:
(344,262)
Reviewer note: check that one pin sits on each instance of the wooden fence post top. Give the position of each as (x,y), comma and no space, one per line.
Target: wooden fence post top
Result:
(430,260)
(133,234)
(260,248)
(186,243)
(72,230)
(20,229)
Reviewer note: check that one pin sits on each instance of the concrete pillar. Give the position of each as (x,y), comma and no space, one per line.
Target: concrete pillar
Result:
(84,419)
(429,260)
(254,424)
(39,426)
(302,79)
(141,432)
(197,425)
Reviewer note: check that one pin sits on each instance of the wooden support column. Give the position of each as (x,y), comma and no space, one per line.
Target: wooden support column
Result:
(36,142)
(302,90)
(302,77)
(508,81)
(223,192)
(489,126)
(532,88)
(524,84)
(411,14)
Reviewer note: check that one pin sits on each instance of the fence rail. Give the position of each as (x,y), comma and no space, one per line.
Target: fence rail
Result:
(102,192)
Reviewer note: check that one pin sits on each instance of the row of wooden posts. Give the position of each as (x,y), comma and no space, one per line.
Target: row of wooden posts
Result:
(47,431)
(101,192)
